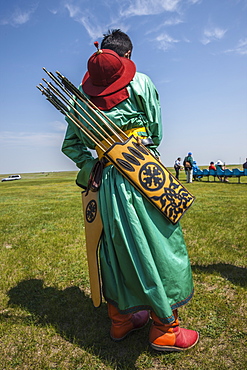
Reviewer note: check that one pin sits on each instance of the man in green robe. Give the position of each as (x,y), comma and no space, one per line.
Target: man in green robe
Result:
(143,257)
(188,167)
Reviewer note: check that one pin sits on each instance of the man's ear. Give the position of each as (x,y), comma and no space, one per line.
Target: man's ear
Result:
(128,54)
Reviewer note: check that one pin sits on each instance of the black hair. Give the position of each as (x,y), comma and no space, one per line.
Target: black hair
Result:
(117,41)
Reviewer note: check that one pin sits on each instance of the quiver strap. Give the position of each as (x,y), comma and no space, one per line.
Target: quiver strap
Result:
(95,177)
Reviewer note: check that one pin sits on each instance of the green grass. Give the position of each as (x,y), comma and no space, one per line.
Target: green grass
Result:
(47,317)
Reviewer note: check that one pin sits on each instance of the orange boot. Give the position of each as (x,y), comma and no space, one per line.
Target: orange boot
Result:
(170,337)
(123,324)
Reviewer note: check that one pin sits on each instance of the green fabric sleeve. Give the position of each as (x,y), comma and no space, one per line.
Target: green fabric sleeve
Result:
(148,101)
(74,148)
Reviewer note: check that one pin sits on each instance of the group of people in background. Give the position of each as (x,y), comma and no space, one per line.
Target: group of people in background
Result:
(190,166)
(218,165)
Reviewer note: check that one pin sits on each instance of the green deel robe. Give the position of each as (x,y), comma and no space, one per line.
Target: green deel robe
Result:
(143,257)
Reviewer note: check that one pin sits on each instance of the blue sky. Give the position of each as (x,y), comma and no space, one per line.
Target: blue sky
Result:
(195,51)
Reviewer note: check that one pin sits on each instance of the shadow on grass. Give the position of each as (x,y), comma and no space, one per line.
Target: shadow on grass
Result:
(75,318)
(237,275)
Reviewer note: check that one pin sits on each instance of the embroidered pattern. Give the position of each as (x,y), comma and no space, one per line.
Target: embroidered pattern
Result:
(91,211)
(151,178)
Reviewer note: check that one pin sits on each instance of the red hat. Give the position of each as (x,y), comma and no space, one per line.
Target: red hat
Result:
(107,73)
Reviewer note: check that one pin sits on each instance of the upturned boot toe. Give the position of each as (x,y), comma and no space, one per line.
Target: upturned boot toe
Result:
(170,337)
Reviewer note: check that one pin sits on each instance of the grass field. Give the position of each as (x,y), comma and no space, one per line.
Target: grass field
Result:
(47,317)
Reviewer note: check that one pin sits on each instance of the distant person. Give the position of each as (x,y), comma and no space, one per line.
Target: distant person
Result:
(212,166)
(188,167)
(245,165)
(195,168)
(220,165)
(178,166)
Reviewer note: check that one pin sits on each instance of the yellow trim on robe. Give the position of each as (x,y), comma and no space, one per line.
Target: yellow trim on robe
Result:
(134,131)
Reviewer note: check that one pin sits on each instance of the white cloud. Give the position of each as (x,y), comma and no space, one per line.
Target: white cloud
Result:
(32,139)
(149,7)
(53,11)
(173,22)
(164,41)
(194,1)
(74,11)
(185,39)
(19,16)
(118,11)
(212,34)
(167,23)
(241,48)
(59,125)
(92,26)
(93,29)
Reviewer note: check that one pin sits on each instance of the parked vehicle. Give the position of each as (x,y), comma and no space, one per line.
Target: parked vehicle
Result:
(12,177)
